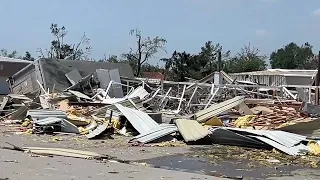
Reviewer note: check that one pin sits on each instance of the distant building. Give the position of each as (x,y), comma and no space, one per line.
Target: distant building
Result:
(277,77)
(153,75)
(8,67)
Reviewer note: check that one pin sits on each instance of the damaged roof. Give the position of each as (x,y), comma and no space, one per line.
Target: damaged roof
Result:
(54,70)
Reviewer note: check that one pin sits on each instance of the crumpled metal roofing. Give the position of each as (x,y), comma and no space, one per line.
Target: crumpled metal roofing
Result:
(47,121)
(227,137)
(282,137)
(96,132)
(289,143)
(41,114)
(156,133)
(216,109)
(141,121)
(106,110)
(191,130)
(66,126)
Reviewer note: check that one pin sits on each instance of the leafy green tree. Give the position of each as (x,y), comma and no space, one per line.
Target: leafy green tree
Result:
(248,59)
(61,50)
(28,56)
(293,56)
(112,59)
(151,68)
(208,57)
(196,66)
(145,49)
(180,65)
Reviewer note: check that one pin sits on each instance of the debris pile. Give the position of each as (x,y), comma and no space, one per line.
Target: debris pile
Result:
(105,103)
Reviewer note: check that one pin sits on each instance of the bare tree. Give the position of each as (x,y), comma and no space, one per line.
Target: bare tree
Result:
(61,50)
(4,53)
(146,49)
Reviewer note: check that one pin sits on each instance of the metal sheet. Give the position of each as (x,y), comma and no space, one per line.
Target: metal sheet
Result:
(68,127)
(285,138)
(141,121)
(96,132)
(41,114)
(191,130)
(105,111)
(65,125)
(47,121)
(227,137)
(156,133)
(20,97)
(216,109)
(74,76)
(105,76)
(299,149)
(116,88)
(139,92)
(79,94)
(289,143)
(20,113)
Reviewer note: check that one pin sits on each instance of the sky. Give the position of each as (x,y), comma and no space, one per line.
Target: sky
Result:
(185,24)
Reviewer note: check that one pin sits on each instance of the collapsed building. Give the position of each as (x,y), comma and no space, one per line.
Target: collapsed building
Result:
(8,67)
(92,98)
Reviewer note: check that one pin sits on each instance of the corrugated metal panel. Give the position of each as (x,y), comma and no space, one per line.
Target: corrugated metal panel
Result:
(286,142)
(47,121)
(156,133)
(285,138)
(24,85)
(191,130)
(41,114)
(299,149)
(141,121)
(216,109)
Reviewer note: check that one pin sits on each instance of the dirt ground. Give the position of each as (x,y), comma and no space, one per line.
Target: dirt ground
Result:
(183,162)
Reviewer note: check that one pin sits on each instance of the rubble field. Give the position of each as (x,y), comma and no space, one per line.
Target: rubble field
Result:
(227,123)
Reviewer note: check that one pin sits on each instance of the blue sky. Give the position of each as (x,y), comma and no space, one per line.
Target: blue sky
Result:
(186,24)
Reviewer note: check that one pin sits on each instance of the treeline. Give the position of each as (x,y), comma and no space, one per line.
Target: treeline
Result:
(180,65)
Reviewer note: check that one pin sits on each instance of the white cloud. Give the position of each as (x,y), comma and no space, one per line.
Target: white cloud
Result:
(316,12)
(261,33)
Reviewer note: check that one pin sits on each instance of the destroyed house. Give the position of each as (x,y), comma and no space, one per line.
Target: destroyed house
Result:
(51,74)
(277,77)
(9,66)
